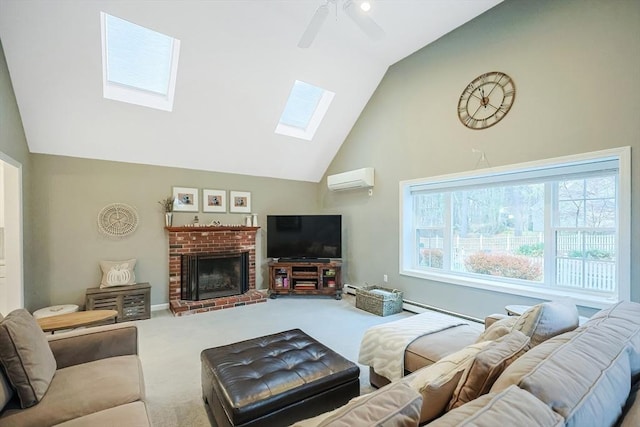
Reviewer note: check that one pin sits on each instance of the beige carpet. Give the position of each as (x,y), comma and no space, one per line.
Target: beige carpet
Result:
(170,346)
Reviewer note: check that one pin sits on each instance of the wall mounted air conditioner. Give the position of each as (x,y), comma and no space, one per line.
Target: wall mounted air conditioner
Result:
(359,178)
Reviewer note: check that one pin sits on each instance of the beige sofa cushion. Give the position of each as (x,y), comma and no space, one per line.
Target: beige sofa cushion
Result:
(430,348)
(129,415)
(81,390)
(498,329)
(437,382)
(6,392)
(26,356)
(395,405)
(623,320)
(511,407)
(487,366)
(577,374)
(547,320)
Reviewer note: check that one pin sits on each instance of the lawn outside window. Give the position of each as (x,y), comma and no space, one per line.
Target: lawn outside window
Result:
(548,229)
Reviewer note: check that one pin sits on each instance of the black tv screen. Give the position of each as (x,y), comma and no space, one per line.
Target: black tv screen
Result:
(304,236)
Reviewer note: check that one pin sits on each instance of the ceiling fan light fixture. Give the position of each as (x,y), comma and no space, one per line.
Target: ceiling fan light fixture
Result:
(365,6)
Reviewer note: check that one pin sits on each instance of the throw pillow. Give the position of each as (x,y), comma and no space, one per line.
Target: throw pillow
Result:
(511,407)
(437,382)
(498,329)
(487,366)
(395,405)
(26,356)
(118,273)
(547,320)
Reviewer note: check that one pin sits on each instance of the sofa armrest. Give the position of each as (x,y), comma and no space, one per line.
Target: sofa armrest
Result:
(87,345)
(493,318)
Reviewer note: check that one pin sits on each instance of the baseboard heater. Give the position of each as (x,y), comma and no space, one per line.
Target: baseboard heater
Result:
(418,307)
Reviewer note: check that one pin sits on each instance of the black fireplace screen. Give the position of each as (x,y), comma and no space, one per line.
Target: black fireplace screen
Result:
(206,276)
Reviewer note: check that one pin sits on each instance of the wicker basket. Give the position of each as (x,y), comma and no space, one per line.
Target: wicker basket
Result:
(379,300)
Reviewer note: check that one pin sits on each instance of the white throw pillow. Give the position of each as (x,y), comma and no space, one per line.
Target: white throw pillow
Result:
(118,273)
(547,320)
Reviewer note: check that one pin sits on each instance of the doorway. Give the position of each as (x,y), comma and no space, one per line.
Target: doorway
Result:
(11,276)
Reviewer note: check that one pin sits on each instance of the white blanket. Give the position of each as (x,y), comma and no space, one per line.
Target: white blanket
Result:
(383,346)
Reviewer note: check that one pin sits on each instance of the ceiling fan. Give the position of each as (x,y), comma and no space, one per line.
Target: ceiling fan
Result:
(357,14)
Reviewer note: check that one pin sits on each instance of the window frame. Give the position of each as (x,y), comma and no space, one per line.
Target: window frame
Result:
(321,110)
(131,94)
(408,244)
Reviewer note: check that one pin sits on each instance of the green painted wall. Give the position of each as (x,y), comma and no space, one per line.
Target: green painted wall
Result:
(70,192)
(576,66)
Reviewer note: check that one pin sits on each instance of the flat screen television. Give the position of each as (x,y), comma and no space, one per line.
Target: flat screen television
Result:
(304,237)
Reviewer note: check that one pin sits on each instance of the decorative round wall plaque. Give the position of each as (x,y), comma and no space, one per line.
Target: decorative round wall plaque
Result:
(117,220)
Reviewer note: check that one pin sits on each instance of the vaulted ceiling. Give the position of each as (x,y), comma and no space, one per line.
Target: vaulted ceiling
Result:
(238,62)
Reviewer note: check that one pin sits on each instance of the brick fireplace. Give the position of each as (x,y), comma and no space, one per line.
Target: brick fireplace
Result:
(210,240)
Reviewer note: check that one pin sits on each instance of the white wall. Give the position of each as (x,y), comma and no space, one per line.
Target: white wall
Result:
(11,276)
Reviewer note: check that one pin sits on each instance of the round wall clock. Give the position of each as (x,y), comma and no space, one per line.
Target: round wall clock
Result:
(486,100)
(117,220)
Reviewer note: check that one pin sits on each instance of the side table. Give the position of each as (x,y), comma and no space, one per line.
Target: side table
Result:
(75,320)
(515,309)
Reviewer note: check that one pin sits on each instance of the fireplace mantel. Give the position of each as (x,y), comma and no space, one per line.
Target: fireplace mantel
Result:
(211,228)
(210,239)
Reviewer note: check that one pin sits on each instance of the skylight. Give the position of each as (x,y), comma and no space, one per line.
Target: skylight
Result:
(139,64)
(305,109)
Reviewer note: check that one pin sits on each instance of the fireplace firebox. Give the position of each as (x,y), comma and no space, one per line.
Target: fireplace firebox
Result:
(214,275)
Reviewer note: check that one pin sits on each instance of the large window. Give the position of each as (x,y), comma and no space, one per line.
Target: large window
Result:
(556,228)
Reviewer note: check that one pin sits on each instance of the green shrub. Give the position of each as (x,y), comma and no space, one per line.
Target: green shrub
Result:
(533,250)
(431,258)
(591,253)
(503,265)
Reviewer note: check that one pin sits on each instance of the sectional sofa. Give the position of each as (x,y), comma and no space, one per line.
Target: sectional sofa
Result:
(525,371)
(89,377)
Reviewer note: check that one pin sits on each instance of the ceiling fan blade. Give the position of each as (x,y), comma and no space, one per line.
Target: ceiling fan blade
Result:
(314,26)
(366,24)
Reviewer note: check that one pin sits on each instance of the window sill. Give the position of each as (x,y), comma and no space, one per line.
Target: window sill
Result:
(590,301)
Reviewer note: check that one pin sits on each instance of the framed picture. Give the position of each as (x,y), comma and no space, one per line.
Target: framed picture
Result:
(240,201)
(185,199)
(214,200)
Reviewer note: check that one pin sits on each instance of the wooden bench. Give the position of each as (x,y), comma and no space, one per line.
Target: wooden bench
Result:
(132,302)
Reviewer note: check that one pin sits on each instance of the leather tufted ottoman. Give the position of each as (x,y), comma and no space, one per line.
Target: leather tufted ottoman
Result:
(275,380)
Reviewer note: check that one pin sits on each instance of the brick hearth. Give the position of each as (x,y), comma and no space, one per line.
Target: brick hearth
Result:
(190,240)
